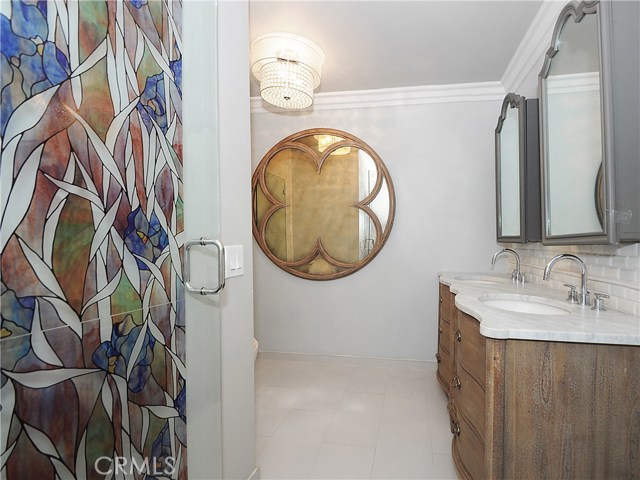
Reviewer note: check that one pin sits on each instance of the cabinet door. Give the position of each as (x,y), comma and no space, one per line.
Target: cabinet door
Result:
(471,347)
(468,451)
(571,410)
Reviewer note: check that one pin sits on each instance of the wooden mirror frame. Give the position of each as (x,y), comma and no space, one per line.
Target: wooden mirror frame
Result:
(342,269)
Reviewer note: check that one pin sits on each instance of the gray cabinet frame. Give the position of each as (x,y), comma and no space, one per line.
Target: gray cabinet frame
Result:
(529,159)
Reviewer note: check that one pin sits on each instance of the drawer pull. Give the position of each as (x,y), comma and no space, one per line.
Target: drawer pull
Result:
(438,357)
(439,331)
(455,383)
(458,336)
(455,429)
(440,298)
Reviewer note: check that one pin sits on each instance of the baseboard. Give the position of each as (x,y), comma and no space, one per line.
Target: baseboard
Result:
(348,360)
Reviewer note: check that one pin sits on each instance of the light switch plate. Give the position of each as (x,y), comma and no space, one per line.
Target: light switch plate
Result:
(234,261)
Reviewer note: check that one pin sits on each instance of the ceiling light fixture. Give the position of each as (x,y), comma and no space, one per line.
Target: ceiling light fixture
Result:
(288,68)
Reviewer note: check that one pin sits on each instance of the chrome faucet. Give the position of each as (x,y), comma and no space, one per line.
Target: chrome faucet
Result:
(516,276)
(583,297)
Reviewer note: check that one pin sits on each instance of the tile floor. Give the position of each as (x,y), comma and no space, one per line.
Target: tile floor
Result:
(343,420)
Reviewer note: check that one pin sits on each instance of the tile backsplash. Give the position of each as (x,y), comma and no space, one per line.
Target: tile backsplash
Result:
(611,269)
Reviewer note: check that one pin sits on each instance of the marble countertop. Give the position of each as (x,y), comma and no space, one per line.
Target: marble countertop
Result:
(580,324)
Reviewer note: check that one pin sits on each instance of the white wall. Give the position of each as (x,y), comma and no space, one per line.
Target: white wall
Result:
(441,160)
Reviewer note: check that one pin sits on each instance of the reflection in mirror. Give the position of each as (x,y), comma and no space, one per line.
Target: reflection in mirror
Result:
(572,129)
(323,204)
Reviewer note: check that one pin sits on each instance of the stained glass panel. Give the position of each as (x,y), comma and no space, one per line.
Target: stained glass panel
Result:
(91,296)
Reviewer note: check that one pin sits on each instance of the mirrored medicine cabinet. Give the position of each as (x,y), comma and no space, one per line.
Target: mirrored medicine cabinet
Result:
(590,130)
(323,204)
(518,171)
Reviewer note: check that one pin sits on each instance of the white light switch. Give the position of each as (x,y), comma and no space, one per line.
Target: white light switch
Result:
(234,258)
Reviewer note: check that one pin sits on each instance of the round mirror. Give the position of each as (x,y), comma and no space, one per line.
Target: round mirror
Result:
(323,204)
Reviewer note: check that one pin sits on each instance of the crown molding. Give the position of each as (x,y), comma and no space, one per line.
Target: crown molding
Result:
(574,83)
(394,97)
(530,53)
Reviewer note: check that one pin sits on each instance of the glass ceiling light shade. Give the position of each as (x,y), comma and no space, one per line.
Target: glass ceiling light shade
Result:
(288,68)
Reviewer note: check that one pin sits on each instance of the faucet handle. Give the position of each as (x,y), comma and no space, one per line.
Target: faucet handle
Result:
(522,278)
(572,295)
(598,302)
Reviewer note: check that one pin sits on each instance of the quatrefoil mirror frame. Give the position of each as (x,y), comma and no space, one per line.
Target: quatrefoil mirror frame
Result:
(374,211)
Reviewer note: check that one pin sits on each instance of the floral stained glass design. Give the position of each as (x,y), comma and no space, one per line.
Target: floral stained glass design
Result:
(93,361)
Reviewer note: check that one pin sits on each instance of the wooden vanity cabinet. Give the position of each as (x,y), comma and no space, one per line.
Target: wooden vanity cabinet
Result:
(445,335)
(530,409)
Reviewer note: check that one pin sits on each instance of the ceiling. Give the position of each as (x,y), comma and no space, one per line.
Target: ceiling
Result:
(373,44)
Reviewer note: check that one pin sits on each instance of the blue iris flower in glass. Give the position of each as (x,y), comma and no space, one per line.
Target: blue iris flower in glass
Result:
(29,63)
(153,104)
(115,355)
(176,69)
(138,3)
(145,237)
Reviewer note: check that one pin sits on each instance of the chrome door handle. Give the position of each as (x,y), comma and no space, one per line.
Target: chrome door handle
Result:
(187,266)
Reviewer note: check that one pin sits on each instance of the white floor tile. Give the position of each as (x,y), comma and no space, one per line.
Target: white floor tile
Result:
(408,385)
(268,420)
(405,405)
(304,425)
(406,460)
(333,378)
(260,443)
(336,461)
(443,468)
(320,398)
(292,450)
(352,429)
(298,374)
(399,430)
(288,457)
(277,398)
(440,432)
(369,380)
(344,421)
(362,404)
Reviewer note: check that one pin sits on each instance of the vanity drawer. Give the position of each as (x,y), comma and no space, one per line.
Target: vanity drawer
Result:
(445,334)
(445,354)
(470,398)
(471,347)
(444,370)
(446,302)
(470,451)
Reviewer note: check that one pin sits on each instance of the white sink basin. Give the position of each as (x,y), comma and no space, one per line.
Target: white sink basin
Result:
(482,279)
(520,304)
